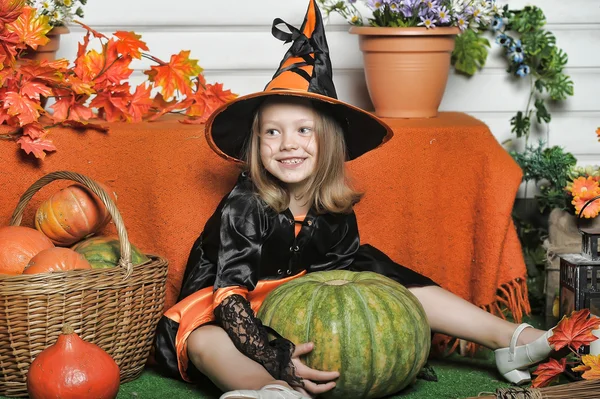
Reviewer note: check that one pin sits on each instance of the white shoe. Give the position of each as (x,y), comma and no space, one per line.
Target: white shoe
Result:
(513,362)
(272,391)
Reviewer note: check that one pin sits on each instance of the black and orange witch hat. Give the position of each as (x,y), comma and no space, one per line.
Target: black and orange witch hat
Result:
(304,72)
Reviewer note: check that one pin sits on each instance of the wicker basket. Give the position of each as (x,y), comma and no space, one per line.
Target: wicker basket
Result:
(117,308)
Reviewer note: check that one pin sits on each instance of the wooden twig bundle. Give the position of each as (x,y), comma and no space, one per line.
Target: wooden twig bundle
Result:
(573,390)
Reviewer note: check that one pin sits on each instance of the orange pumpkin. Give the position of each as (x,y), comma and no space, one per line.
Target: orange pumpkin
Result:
(18,245)
(71,214)
(73,369)
(56,259)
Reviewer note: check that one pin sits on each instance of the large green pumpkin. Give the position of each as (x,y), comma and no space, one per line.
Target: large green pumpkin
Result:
(364,325)
(104,252)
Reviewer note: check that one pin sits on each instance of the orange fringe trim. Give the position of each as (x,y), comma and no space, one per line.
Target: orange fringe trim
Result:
(511,299)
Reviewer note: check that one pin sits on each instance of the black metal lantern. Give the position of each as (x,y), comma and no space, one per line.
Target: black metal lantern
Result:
(580,276)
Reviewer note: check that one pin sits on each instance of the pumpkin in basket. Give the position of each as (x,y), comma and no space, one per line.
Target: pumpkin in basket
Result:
(364,325)
(56,259)
(104,252)
(18,245)
(72,214)
(73,369)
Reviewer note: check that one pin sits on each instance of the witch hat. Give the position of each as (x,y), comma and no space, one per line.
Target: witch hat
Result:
(305,72)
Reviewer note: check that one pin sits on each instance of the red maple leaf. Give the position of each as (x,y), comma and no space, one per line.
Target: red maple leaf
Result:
(590,367)
(38,147)
(31,29)
(575,330)
(25,109)
(50,72)
(130,43)
(176,75)
(548,372)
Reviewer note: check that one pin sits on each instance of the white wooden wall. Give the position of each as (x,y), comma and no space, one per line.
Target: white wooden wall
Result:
(233,43)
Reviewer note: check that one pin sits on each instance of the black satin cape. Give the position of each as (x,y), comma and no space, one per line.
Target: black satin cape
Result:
(245,241)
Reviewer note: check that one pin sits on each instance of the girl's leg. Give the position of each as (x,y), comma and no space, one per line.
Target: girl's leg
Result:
(210,349)
(452,315)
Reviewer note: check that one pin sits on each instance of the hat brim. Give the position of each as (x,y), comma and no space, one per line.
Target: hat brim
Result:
(228,127)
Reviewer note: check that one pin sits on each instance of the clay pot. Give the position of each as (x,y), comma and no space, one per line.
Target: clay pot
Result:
(406,69)
(48,51)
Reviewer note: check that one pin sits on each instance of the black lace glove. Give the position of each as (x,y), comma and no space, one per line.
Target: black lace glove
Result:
(251,338)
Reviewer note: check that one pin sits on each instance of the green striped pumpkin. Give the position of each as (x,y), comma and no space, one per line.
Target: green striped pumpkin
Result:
(364,325)
(103,252)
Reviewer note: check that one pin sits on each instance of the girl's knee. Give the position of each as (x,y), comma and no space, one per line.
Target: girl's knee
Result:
(204,340)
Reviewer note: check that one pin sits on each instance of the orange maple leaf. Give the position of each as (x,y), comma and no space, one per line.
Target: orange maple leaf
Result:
(25,109)
(96,34)
(590,367)
(36,146)
(79,86)
(47,71)
(30,28)
(176,75)
(35,89)
(575,330)
(34,130)
(84,125)
(548,372)
(112,106)
(130,43)
(10,11)
(140,103)
(90,65)
(207,99)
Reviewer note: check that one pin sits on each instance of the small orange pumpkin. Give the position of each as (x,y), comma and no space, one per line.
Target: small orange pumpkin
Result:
(71,214)
(73,369)
(18,244)
(56,259)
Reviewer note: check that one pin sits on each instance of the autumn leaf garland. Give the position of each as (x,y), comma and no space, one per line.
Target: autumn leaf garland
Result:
(94,86)
(573,332)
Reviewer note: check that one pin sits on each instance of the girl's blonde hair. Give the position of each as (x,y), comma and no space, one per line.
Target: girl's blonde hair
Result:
(328,189)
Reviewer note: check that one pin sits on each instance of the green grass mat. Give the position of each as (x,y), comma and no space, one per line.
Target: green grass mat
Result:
(457,378)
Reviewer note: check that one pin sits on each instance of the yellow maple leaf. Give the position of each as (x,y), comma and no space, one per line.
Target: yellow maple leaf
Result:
(30,28)
(590,367)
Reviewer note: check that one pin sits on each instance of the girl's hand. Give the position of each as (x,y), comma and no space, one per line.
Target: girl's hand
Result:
(309,376)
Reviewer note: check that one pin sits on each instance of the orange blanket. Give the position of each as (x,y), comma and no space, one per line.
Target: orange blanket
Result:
(438,196)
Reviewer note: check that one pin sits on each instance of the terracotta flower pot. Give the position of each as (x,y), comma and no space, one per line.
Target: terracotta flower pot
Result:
(406,69)
(48,51)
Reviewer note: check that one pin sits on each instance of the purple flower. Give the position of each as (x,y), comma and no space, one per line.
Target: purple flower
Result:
(432,5)
(461,22)
(523,70)
(375,4)
(443,15)
(427,22)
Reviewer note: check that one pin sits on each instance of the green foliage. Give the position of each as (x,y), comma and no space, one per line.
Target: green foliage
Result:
(550,168)
(470,52)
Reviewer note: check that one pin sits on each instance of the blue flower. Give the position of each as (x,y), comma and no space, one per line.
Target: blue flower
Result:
(503,40)
(523,70)
(516,51)
(497,24)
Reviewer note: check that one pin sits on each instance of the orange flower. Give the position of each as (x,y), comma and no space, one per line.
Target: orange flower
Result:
(598,133)
(585,188)
(590,211)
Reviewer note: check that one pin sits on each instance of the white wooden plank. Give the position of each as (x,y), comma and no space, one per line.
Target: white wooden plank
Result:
(247,49)
(489,92)
(262,12)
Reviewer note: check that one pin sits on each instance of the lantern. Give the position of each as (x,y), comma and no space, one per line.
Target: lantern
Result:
(580,278)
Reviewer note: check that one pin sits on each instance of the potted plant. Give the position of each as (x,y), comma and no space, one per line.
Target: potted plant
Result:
(59,13)
(407,47)
(94,87)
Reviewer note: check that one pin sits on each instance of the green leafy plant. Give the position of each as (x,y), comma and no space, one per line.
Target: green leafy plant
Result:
(531,53)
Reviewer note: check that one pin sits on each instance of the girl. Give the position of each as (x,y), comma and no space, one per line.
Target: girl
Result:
(290,213)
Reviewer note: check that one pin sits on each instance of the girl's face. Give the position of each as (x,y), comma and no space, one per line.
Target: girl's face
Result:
(288,143)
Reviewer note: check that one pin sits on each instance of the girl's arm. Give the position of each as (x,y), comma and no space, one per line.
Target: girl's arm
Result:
(251,338)
(241,236)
